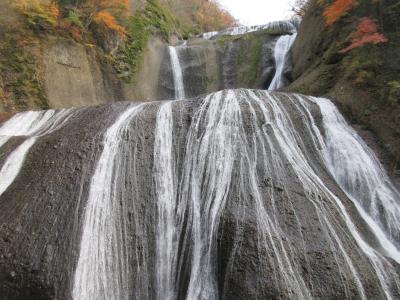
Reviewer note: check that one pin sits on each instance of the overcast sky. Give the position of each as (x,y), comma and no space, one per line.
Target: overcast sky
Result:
(255,12)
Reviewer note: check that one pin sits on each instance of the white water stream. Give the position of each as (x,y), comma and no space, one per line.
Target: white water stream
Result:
(281,53)
(31,124)
(235,139)
(177,73)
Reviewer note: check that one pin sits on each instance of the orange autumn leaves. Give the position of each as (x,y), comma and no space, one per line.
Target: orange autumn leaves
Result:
(77,19)
(366,32)
(106,13)
(337,10)
(109,21)
(212,17)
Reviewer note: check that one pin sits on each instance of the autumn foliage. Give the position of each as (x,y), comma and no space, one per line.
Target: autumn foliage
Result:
(116,7)
(366,33)
(200,15)
(337,10)
(38,12)
(211,17)
(77,18)
(108,20)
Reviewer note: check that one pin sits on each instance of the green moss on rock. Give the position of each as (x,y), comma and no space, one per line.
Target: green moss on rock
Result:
(151,20)
(249,60)
(18,73)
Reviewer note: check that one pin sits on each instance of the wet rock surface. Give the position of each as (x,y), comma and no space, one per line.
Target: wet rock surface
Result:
(255,212)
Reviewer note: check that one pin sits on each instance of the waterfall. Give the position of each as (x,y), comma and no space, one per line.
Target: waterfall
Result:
(236,139)
(360,175)
(240,194)
(177,73)
(24,124)
(103,270)
(282,50)
(33,124)
(165,187)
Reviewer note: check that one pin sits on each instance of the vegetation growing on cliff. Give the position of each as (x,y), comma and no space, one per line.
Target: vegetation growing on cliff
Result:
(355,61)
(19,79)
(78,18)
(120,31)
(152,19)
(355,30)
(197,16)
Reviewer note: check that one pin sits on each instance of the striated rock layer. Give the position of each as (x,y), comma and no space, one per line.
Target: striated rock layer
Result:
(241,194)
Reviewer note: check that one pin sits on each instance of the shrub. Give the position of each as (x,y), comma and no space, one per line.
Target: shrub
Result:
(394,91)
(153,18)
(19,79)
(38,15)
(362,66)
(104,18)
(74,19)
(337,10)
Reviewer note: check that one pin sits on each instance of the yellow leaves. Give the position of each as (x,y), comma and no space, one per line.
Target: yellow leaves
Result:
(38,12)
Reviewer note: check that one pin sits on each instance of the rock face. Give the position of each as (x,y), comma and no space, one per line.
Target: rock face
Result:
(320,70)
(64,73)
(230,60)
(71,78)
(241,194)
(76,76)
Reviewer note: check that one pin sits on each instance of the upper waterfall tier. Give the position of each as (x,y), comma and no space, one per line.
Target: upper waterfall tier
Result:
(242,194)
(277,27)
(241,57)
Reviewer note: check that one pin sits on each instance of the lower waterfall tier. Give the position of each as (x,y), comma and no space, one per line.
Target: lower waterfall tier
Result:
(242,194)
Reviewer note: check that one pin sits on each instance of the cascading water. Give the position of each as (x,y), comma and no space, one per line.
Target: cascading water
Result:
(31,124)
(24,124)
(244,151)
(165,187)
(103,270)
(282,50)
(179,86)
(242,194)
(357,171)
(258,58)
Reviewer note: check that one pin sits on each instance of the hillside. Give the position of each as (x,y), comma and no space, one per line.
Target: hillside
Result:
(365,81)
(64,54)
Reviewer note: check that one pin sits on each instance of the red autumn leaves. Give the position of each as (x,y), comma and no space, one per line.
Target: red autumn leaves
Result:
(366,32)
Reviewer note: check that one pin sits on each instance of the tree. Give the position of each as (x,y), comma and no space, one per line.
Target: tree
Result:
(211,17)
(337,10)
(105,18)
(103,9)
(366,33)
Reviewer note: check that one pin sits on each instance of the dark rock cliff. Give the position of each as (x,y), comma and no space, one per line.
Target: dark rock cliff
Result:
(362,82)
